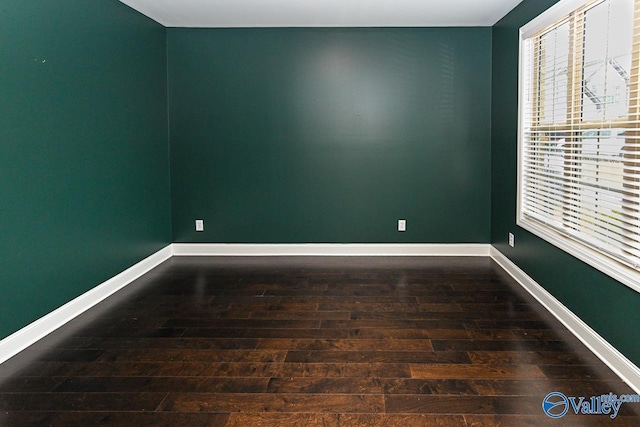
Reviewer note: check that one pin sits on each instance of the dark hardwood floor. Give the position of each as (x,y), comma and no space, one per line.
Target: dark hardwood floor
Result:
(309,342)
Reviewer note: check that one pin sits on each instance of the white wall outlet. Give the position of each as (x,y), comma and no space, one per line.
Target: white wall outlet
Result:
(512,240)
(199,224)
(402,225)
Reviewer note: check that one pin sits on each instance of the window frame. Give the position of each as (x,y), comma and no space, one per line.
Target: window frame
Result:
(570,244)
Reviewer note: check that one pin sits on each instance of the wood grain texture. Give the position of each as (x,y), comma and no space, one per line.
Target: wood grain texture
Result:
(308,341)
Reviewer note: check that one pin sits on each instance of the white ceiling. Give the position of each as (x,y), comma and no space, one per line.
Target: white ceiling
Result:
(323,13)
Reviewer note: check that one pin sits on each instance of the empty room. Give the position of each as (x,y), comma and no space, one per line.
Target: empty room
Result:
(320,213)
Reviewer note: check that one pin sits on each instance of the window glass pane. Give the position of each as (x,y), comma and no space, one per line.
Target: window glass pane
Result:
(553,78)
(607,60)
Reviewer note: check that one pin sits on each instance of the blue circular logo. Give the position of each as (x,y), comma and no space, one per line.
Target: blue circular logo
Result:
(555,404)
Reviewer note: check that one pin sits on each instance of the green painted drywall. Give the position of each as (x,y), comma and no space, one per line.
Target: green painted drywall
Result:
(84,174)
(330,135)
(610,308)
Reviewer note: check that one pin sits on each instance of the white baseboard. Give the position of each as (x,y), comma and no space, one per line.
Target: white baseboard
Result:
(18,341)
(313,249)
(618,363)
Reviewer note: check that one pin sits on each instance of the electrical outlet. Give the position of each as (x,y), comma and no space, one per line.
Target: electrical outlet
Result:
(199,225)
(512,240)
(402,225)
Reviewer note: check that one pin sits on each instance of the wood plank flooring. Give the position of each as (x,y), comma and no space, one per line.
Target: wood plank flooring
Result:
(309,342)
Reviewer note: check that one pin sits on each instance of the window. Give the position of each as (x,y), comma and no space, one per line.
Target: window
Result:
(579,132)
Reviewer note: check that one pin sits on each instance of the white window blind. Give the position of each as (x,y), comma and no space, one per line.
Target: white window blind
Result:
(579,142)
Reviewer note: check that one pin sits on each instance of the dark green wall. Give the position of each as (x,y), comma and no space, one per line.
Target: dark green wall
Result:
(607,306)
(278,135)
(330,135)
(84,175)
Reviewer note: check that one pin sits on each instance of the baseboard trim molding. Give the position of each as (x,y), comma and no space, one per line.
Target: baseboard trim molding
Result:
(618,363)
(312,249)
(18,341)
